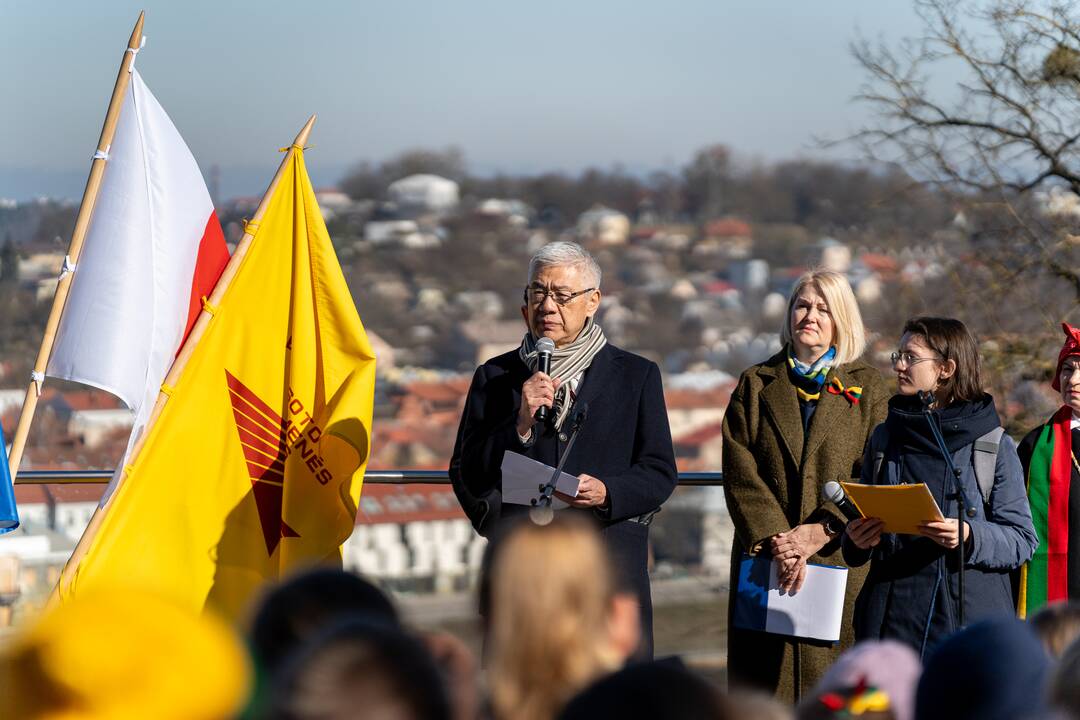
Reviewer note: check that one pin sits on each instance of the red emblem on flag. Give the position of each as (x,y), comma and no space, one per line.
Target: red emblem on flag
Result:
(262,436)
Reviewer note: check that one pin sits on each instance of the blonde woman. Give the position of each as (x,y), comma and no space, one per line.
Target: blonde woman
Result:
(557,620)
(795,422)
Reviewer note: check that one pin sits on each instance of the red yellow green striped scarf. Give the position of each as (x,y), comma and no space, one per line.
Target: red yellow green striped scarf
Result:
(1045,578)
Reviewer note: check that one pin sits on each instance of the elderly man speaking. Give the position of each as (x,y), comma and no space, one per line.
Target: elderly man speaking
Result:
(622,456)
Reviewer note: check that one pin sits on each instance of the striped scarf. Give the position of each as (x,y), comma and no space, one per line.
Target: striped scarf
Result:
(566,363)
(1045,578)
(810,379)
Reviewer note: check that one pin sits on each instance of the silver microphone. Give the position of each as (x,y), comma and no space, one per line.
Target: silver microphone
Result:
(834,492)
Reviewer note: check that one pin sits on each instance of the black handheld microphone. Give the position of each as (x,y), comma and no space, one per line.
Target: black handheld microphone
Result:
(545,346)
(834,492)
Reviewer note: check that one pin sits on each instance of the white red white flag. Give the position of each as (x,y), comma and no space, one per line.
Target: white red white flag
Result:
(153,250)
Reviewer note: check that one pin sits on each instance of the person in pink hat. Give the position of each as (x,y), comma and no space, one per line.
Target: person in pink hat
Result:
(878,677)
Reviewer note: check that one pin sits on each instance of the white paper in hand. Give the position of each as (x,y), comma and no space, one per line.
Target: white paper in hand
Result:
(522,478)
(815,611)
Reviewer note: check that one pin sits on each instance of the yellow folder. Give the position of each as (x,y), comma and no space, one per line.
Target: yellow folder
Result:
(902,507)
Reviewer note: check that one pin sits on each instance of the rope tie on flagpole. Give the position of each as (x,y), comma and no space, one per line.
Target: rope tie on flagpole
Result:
(167,389)
(135,53)
(103,154)
(250,227)
(67,268)
(207,307)
(294,146)
(38,378)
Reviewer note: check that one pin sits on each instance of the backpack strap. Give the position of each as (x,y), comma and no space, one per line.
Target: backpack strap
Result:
(984,457)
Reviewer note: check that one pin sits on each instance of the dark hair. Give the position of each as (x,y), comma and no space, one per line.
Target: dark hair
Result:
(356,667)
(951,340)
(303,605)
(1057,625)
(659,689)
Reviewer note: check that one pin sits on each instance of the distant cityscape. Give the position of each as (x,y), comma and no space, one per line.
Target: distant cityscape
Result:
(437,275)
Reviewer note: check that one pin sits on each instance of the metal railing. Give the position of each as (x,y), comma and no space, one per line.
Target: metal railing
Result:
(374,477)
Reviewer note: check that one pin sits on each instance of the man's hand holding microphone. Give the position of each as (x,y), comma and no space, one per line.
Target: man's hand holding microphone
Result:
(537,399)
(538,392)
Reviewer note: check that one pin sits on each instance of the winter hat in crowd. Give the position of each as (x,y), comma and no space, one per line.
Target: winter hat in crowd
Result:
(890,666)
(1071,347)
(993,670)
(114,654)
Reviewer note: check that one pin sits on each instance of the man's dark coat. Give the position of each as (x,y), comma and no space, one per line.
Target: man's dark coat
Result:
(625,442)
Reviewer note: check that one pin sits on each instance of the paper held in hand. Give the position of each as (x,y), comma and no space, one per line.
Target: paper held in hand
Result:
(902,507)
(523,477)
(814,612)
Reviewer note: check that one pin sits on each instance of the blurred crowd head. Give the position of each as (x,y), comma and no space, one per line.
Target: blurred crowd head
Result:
(556,617)
(123,653)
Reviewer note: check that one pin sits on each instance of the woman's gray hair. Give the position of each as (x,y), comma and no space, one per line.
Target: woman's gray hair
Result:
(564,253)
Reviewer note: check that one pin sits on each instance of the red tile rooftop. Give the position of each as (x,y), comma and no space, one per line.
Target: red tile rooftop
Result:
(446,391)
(699,436)
(407,503)
(717,287)
(91,400)
(36,494)
(689,399)
(727,227)
(880,263)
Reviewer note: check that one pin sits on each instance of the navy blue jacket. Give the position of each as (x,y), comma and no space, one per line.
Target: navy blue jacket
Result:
(911,593)
(625,442)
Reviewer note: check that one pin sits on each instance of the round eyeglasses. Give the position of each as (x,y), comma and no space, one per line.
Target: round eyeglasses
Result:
(906,359)
(537,295)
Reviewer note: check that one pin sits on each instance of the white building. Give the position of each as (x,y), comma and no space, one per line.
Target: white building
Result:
(604,226)
(95,426)
(424,193)
(833,255)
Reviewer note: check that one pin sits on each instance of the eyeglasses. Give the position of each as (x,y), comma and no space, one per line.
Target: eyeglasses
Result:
(537,295)
(907,359)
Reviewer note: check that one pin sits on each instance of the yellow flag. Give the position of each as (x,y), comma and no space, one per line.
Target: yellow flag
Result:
(255,465)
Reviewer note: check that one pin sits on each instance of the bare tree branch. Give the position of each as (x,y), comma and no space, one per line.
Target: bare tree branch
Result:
(1008,129)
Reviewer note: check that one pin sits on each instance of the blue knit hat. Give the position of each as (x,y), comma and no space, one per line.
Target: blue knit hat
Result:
(994,670)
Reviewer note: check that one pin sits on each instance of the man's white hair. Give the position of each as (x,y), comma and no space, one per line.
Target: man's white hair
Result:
(565,253)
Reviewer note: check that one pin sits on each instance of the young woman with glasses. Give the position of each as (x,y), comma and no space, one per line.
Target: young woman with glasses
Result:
(911,593)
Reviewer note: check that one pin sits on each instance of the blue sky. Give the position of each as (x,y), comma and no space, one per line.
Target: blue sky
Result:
(520,87)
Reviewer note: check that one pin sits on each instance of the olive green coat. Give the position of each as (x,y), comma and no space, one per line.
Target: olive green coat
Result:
(773,476)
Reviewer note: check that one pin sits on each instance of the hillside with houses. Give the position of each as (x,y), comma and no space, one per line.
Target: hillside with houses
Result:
(697,268)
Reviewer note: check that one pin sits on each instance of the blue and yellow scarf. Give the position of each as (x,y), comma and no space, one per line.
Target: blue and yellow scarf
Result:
(810,379)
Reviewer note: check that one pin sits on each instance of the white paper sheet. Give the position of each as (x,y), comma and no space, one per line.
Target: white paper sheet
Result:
(816,611)
(522,478)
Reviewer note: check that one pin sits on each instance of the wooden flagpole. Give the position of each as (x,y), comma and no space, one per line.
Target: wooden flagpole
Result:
(82,223)
(182,358)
